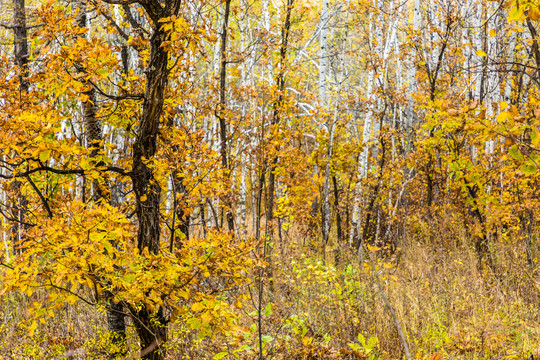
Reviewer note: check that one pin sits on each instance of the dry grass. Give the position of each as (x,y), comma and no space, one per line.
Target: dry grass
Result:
(448,308)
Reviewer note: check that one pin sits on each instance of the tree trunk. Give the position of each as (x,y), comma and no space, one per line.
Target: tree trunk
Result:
(21,42)
(221,113)
(151,325)
(19,202)
(280,81)
(337,209)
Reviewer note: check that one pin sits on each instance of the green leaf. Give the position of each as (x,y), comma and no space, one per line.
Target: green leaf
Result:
(108,247)
(362,339)
(266,338)
(514,152)
(372,342)
(220,355)
(529,168)
(268,309)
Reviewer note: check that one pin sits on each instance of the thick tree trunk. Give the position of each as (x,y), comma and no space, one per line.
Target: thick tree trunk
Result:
(151,326)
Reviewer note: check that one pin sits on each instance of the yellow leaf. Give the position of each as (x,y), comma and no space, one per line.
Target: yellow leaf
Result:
(482,115)
(32,328)
(534,14)
(481,53)
(502,117)
(515,13)
(504,105)
(44,155)
(143,198)
(492,33)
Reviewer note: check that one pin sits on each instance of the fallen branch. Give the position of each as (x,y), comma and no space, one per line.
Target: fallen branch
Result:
(394,316)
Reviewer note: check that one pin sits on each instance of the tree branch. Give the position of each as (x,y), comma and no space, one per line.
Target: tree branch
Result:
(42,167)
(134,24)
(41,197)
(116,26)
(122,2)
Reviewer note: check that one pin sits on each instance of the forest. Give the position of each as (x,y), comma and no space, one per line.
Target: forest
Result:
(269,179)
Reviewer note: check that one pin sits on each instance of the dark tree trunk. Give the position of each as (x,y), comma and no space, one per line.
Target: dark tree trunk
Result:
(152,330)
(19,203)
(276,118)
(180,216)
(535,49)
(21,42)
(221,113)
(481,240)
(368,235)
(151,325)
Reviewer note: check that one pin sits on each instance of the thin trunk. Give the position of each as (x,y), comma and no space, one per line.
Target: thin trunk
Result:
(324,53)
(337,209)
(477,62)
(535,49)
(19,202)
(326,220)
(356,223)
(242,209)
(276,117)
(21,42)
(510,57)
(221,113)
(260,276)
(326,190)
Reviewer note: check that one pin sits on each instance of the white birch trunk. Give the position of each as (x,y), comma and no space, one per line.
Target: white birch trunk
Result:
(493,83)
(323,67)
(510,57)
(477,39)
(356,226)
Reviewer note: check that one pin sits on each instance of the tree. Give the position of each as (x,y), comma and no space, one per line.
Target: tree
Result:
(83,249)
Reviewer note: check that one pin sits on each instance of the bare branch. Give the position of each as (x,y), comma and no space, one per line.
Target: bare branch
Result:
(134,24)
(115,25)
(42,167)
(122,2)
(41,197)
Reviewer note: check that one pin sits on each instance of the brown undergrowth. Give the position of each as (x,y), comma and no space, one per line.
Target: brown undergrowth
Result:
(447,306)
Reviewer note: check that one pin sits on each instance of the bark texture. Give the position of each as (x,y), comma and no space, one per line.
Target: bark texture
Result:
(151,325)
(19,202)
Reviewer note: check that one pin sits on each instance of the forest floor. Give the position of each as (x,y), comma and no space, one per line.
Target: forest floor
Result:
(334,309)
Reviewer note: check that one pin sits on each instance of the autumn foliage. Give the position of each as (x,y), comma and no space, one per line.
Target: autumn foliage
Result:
(258,179)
